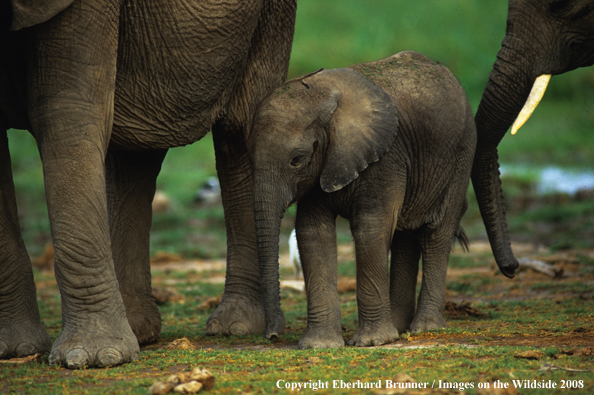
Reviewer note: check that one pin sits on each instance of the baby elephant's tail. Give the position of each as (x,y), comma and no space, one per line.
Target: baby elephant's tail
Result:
(462,239)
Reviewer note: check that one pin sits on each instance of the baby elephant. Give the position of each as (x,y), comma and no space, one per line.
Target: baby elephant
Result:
(387,145)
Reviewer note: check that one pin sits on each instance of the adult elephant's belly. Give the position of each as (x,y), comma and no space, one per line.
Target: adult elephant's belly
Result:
(150,126)
(178,68)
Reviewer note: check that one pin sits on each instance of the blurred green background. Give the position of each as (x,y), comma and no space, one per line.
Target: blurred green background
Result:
(464,35)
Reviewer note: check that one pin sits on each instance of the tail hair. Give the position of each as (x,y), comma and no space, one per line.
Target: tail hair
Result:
(462,239)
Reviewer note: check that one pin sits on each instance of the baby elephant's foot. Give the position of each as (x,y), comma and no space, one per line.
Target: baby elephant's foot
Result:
(20,340)
(423,323)
(374,335)
(95,345)
(321,338)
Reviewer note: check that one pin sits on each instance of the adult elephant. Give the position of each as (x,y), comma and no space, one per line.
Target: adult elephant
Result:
(106,87)
(543,37)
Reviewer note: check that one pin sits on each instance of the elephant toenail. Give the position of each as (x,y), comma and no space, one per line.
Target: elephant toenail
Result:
(214,328)
(55,358)
(109,357)
(3,350)
(238,329)
(77,358)
(25,349)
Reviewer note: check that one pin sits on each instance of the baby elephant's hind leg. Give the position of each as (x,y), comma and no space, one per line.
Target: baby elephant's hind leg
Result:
(404,270)
(436,246)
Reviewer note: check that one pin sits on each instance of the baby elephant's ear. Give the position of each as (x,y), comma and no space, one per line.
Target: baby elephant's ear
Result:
(362,129)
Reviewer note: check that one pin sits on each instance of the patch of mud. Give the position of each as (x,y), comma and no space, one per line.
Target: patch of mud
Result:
(455,311)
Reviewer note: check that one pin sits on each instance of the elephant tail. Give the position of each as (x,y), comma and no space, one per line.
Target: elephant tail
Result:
(462,239)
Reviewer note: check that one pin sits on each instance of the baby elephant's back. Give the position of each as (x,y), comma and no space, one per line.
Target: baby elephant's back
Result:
(436,135)
(426,93)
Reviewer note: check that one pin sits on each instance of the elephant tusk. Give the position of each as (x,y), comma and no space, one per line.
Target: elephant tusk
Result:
(536,94)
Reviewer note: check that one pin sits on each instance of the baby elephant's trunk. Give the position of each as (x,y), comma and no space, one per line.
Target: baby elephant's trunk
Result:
(268,214)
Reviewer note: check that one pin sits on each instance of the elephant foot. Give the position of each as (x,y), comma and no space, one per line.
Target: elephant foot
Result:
(321,338)
(239,317)
(374,335)
(144,317)
(22,339)
(428,322)
(402,320)
(95,344)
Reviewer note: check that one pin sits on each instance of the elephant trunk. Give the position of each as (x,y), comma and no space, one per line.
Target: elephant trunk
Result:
(506,92)
(269,208)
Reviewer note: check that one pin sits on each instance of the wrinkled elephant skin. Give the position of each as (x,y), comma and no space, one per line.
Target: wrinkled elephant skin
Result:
(106,87)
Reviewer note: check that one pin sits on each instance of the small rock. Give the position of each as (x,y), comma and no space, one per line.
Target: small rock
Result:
(181,344)
(191,387)
(185,382)
(204,376)
(161,387)
(175,379)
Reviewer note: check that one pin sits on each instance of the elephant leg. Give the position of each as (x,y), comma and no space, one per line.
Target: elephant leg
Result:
(21,330)
(241,311)
(70,93)
(316,230)
(435,249)
(373,290)
(404,269)
(131,183)
(95,330)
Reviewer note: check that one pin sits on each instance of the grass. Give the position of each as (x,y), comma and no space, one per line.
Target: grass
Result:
(475,350)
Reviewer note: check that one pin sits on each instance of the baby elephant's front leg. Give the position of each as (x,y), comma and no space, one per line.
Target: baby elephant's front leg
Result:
(317,249)
(373,294)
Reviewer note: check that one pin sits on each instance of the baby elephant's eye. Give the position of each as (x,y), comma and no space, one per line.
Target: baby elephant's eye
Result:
(297,160)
